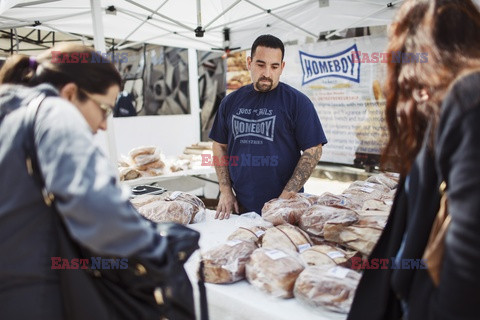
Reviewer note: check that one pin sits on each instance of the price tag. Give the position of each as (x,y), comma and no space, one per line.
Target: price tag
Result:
(233,243)
(338,272)
(369,184)
(367,190)
(275,254)
(303,247)
(259,233)
(335,254)
(174,195)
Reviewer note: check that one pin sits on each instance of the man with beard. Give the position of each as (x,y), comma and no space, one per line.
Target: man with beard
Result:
(260,132)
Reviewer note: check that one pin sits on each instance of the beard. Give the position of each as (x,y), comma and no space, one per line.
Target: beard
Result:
(262,86)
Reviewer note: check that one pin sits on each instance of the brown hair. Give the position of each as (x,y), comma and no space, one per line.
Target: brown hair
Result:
(60,65)
(447,34)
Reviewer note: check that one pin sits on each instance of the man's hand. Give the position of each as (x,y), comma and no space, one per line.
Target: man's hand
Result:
(287,194)
(226,204)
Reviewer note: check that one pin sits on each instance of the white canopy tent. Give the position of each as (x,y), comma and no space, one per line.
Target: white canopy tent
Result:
(173,22)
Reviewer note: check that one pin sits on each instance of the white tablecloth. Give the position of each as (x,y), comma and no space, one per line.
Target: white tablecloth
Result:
(168,176)
(240,300)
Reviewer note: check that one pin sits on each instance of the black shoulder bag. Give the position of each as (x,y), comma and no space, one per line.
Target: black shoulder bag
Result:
(145,289)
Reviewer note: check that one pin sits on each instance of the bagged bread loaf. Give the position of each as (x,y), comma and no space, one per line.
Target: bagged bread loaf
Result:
(144,199)
(198,214)
(286,237)
(362,193)
(361,236)
(315,218)
(366,184)
(168,211)
(280,211)
(383,179)
(252,234)
(273,271)
(128,173)
(330,287)
(226,263)
(339,201)
(327,254)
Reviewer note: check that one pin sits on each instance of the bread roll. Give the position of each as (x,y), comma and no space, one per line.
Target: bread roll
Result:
(330,287)
(273,271)
(143,150)
(226,263)
(286,237)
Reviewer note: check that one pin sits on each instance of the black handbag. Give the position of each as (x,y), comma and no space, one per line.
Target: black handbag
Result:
(144,289)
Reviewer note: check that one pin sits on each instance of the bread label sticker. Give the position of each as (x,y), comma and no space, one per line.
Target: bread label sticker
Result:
(338,272)
(303,247)
(174,195)
(275,254)
(369,184)
(259,233)
(367,190)
(335,254)
(233,243)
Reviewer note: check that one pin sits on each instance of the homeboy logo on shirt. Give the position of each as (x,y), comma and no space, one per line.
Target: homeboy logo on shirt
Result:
(339,65)
(262,128)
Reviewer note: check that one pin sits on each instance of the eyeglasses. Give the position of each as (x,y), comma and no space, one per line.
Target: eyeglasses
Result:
(106,108)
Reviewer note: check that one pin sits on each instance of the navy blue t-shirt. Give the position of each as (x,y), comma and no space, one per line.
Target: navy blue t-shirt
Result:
(265,132)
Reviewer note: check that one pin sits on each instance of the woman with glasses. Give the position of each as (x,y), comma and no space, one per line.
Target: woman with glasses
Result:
(80,94)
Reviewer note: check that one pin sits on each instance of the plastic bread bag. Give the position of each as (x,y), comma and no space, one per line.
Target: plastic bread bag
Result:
(198,205)
(324,286)
(280,211)
(253,234)
(226,263)
(286,237)
(168,211)
(315,218)
(274,271)
(327,254)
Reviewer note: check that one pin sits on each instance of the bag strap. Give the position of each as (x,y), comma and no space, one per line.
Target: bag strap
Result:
(31,158)
(203,293)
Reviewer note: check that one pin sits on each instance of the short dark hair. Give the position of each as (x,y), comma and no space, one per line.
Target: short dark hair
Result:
(269,41)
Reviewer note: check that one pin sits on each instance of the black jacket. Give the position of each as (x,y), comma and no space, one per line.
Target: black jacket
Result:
(455,159)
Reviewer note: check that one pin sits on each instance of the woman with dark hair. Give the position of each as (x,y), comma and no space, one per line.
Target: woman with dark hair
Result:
(433,116)
(80,90)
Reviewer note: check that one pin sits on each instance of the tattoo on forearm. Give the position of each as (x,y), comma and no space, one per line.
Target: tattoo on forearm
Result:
(304,169)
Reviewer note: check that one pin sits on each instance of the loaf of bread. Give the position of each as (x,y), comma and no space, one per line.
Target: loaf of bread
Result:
(198,214)
(327,254)
(128,173)
(143,150)
(366,184)
(324,286)
(155,164)
(273,271)
(315,218)
(144,199)
(383,179)
(168,211)
(286,237)
(361,236)
(339,201)
(252,234)
(226,263)
(280,211)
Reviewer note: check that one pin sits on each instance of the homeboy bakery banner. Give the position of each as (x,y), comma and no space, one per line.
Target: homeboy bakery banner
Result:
(342,78)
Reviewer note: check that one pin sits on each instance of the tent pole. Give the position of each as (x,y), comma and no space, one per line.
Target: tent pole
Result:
(99,42)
